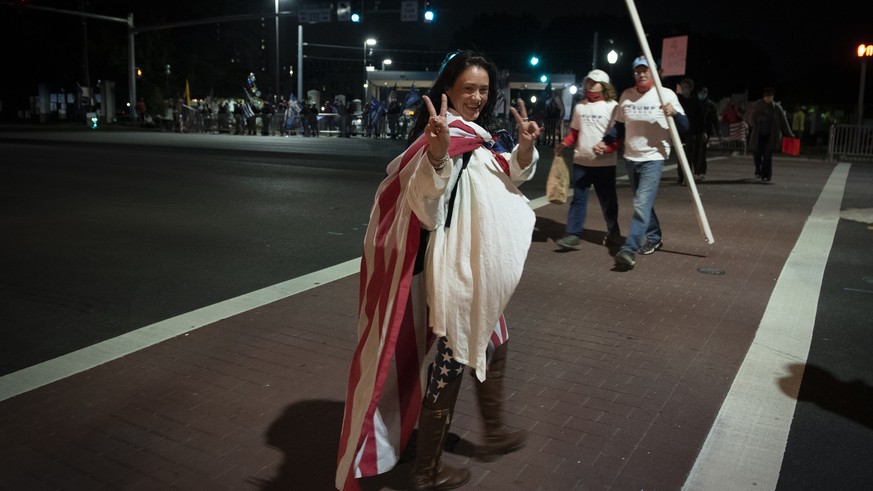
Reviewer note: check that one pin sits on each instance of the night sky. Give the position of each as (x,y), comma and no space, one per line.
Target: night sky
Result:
(734,46)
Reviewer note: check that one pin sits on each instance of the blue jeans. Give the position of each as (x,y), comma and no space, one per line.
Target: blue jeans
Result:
(603,179)
(644,179)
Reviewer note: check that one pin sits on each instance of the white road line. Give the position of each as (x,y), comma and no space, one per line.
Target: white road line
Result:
(64,366)
(746,444)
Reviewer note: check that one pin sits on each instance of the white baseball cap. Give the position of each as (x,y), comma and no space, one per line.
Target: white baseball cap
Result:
(597,76)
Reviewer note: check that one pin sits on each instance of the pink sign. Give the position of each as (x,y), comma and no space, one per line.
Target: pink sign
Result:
(673,54)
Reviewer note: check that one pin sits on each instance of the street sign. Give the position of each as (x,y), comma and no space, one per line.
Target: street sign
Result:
(311,14)
(409,11)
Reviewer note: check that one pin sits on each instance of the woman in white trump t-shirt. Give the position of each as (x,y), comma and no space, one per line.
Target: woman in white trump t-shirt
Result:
(590,121)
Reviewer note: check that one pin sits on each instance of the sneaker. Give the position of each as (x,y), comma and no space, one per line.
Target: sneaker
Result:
(613,239)
(757,176)
(569,242)
(701,177)
(625,259)
(649,247)
(765,179)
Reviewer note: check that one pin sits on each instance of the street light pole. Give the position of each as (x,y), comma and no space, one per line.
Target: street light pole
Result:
(276,89)
(368,42)
(300,62)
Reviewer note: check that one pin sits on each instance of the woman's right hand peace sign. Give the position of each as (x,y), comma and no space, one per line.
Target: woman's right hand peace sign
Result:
(437,129)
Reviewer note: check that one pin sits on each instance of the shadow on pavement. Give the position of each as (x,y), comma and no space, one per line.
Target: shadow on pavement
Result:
(851,400)
(546,229)
(308,435)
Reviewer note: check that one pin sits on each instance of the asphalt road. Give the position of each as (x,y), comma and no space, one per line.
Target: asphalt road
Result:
(108,232)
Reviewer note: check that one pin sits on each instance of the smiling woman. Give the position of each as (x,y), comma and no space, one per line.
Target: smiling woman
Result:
(450,196)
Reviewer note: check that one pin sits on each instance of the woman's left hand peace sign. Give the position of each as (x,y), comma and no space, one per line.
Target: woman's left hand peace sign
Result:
(528,131)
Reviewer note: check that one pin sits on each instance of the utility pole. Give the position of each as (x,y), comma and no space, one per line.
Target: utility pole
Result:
(86,72)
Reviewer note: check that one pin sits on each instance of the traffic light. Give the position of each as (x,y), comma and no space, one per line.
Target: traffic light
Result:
(429,14)
(138,72)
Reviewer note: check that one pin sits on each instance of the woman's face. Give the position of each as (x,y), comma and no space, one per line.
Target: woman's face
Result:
(592,86)
(470,93)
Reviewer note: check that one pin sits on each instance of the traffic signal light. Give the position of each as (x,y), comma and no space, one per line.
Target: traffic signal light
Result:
(429,14)
(138,72)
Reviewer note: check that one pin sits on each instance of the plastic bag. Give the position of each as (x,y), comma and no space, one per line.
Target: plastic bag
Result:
(558,182)
(791,146)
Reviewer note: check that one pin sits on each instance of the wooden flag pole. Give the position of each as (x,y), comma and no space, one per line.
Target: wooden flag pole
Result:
(674,133)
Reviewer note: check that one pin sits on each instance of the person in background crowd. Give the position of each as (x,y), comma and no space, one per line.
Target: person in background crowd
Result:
(304,118)
(140,110)
(313,119)
(767,122)
(798,122)
(711,127)
(343,117)
(238,119)
(694,138)
(266,119)
(590,120)
(281,112)
(730,114)
(641,122)
(448,236)
(393,114)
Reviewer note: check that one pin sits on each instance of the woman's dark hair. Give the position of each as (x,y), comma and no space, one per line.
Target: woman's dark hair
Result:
(454,65)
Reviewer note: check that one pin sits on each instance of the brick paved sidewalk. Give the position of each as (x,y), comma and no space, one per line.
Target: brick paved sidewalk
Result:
(618,376)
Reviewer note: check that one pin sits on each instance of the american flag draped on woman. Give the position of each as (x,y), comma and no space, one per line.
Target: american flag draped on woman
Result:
(454,191)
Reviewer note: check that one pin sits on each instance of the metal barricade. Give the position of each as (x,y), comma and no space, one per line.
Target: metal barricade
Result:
(190,120)
(732,139)
(328,124)
(847,142)
(225,123)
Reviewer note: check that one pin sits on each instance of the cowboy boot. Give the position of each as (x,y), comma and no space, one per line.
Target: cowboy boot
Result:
(429,473)
(498,440)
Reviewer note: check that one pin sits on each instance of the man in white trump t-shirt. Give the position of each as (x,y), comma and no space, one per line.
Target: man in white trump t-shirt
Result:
(641,122)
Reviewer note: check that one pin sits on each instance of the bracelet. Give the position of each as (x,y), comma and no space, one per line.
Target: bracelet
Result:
(439,164)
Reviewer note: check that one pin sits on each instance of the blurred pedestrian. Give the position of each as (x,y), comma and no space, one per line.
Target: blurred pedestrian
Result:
(591,119)
(238,118)
(313,119)
(393,115)
(448,236)
(767,122)
(343,117)
(266,119)
(304,118)
(693,137)
(711,127)
(798,122)
(641,122)
(140,110)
